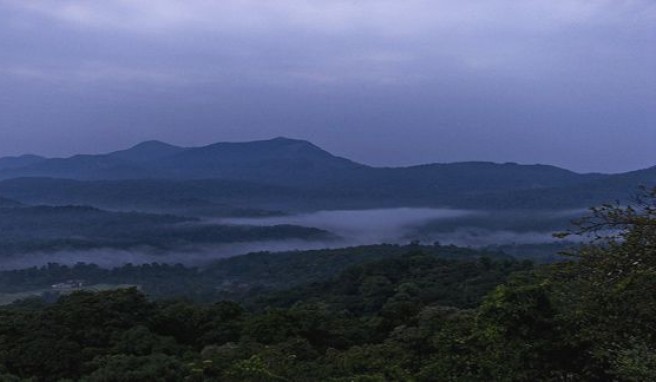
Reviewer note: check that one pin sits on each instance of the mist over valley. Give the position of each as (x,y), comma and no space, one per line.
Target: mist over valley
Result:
(237,220)
(327,190)
(157,202)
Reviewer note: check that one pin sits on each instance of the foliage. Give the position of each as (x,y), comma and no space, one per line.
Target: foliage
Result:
(334,329)
(241,277)
(408,317)
(26,230)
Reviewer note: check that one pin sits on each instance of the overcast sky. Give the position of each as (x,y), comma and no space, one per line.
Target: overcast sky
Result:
(384,82)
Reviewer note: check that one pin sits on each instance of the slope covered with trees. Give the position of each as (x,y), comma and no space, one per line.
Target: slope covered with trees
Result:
(413,317)
(293,174)
(47,229)
(241,277)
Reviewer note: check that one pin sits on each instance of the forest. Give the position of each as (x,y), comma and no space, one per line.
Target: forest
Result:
(30,229)
(416,315)
(327,191)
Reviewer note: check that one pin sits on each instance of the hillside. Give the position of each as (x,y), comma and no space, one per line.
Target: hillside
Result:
(279,161)
(8,203)
(240,277)
(288,174)
(37,230)
(275,161)
(20,161)
(146,152)
(205,197)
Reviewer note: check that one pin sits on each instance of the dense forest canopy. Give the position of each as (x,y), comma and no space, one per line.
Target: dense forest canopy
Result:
(408,317)
(327,191)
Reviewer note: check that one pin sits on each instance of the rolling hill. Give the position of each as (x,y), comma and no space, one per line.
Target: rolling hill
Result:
(47,229)
(292,174)
(20,161)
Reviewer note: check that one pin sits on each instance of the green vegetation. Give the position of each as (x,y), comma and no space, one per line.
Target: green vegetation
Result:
(413,316)
(120,335)
(234,278)
(69,228)
(50,293)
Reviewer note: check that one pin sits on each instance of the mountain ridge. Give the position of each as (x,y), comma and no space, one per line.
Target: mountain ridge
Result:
(283,172)
(161,148)
(19,161)
(146,151)
(175,149)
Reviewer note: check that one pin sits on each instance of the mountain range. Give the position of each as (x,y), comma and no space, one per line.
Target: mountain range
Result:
(285,173)
(276,161)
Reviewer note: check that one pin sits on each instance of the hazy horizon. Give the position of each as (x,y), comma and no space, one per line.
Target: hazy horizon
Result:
(352,228)
(271,138)
(567,83)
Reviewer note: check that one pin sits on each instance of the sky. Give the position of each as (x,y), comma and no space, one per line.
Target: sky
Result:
(383,82)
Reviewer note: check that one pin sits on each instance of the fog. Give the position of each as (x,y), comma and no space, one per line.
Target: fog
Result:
(466,228)
(109,258)
(448,226)
(478,237)
(357,227)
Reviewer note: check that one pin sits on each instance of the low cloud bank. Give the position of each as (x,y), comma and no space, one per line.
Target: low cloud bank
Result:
(362,226)
(393,226)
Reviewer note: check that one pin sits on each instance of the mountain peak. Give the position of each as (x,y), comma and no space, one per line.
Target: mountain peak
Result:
(274,145)
(287,140)
(152,144)
(277,141)
(281,138)
(146,151)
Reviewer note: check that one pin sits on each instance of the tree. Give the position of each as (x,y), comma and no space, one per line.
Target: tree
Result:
(606,295)
(623,240)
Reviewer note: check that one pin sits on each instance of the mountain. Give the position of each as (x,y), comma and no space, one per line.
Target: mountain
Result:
(20,161)
(124,164)
(211,196)
(292,162)
(445,181)
(276,161)
(281,161)
(8,203)
(80,167)
(291,174)
(146,152)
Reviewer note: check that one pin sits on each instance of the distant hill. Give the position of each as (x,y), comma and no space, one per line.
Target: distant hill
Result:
(7,163)
(212,196)
(279,161)
(146,152)
(8,203)
(48,229)
(91,167)
(285,173)
(276,161)
(288,162)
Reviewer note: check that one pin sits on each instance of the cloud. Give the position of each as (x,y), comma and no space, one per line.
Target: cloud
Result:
(353,228)
(332,42)
(92,73)
(526,81)
(337,16)
(362,226)
(391,20)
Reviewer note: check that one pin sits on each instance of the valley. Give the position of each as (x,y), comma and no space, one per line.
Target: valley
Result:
(156,202)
